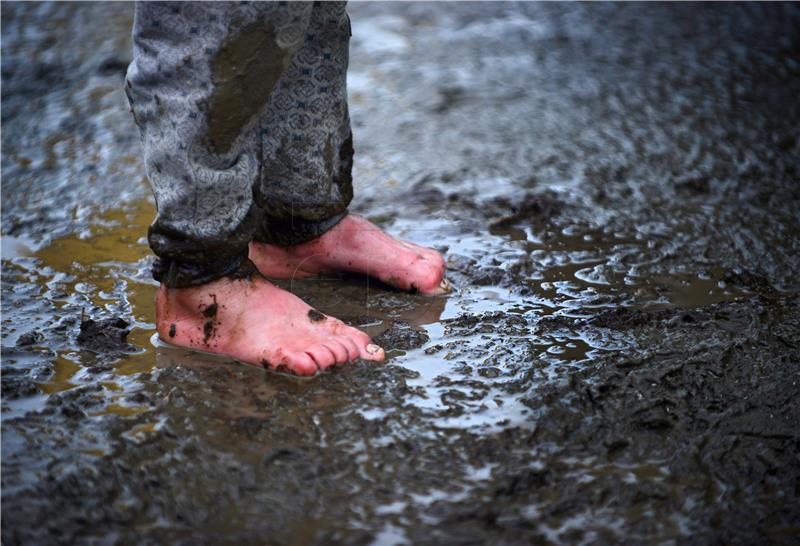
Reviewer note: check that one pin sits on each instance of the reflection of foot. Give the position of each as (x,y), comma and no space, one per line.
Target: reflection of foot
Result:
(256,322)
(356,245)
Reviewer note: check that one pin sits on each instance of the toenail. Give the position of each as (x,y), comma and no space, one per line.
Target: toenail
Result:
(372,348)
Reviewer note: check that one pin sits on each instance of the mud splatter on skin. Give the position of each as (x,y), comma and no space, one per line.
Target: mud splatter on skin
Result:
(278,368)
(244,73)
(210,311)
(208,331)
(210,326)
(315,316)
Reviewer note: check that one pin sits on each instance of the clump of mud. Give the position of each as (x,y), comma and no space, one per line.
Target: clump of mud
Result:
(105,336)
(401,336)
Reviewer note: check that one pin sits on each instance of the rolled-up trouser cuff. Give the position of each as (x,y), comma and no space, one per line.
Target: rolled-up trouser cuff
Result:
(294,230)
(176,274)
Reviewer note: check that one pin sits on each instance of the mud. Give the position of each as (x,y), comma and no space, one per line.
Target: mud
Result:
(245,70)
(104,336)
(401,336)
(616,190)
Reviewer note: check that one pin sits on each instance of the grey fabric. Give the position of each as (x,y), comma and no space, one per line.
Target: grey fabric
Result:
(242,109)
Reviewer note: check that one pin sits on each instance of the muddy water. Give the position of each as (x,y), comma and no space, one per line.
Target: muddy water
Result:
(615,188)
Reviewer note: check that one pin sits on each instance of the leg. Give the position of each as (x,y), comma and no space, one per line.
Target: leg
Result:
(306,182)
(201,78)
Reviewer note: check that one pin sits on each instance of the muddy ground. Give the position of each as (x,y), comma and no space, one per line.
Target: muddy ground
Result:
(617,189)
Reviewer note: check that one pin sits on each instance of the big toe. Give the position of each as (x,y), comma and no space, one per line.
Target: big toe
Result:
(370,351)
(429,275)
(366,349)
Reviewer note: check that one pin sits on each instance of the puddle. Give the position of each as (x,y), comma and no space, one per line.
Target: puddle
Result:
(101,271)
(574,273)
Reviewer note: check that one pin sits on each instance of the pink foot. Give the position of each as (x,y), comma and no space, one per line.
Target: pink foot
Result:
(256,322)
(356,245)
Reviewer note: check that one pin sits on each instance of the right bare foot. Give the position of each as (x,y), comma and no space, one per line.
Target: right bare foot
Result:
(254,321)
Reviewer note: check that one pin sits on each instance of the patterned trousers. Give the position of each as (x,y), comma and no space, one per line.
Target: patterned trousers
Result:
(242,110)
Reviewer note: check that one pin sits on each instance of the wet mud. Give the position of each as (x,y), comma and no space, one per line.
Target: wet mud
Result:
(104,336)
(245,70)
(616,191)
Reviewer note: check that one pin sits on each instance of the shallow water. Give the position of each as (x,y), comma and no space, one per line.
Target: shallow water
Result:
(615,190)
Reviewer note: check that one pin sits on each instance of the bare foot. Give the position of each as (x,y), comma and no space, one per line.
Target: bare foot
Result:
(256,322)
(356,244)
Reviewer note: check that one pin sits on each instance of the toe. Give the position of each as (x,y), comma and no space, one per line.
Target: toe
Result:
(370,351)
(360,339)
(352,349)
(431,278)
(323,356)
(424,272)
(444,287)
(338,349)
(302,364)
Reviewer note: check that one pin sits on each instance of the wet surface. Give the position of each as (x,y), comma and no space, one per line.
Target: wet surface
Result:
(616,188)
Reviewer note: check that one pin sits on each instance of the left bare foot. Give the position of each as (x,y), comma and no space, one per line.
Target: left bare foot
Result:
(356,244)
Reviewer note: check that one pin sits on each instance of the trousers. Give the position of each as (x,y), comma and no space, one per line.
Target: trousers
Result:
(243,117)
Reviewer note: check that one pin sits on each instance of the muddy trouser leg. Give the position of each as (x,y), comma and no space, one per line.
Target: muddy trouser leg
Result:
(243,115)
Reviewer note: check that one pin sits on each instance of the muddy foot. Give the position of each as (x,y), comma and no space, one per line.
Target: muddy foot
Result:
(256,322)
(356,245)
